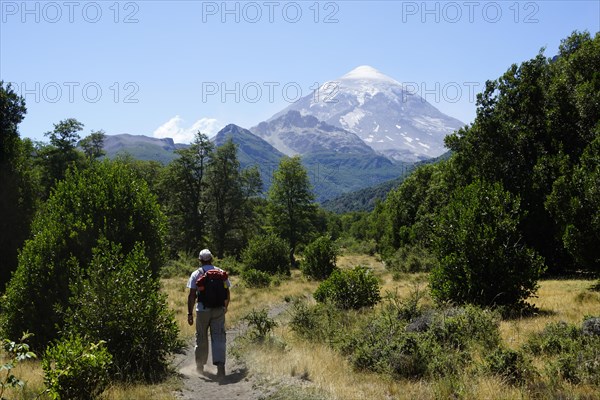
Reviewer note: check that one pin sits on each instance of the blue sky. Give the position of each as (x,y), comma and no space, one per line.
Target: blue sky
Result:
(168,68)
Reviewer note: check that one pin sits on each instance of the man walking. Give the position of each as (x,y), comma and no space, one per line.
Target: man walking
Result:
(209,313)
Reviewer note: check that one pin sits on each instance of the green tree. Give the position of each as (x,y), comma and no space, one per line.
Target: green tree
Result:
(183,195)
(482,258)
(93,145)
(532,126)
(291,203)
(106,200)
(229,191)
(62,153)
(17,194)
(575,203)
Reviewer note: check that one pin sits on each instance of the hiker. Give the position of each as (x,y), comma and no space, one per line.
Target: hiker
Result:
(210,315)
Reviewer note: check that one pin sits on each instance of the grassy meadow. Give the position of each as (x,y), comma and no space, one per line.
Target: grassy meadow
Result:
(294,368)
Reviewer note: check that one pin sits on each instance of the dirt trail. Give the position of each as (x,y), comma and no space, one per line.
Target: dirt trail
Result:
(237,383)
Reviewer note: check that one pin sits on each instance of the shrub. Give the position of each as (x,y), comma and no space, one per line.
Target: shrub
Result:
(350,289)
(180,267)
(482,258)
(231,265)
(267,253)
(512,365)
(120,303)
(320,257)
(576,353)
(104,200)
(75,369)
(16,353)
(461,327)
(260,324)
(591,326)
(410,258)
(557,337)
(255,278)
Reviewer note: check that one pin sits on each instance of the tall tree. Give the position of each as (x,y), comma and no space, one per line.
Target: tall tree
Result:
(93,145)
(229,191)
(291,203)
(62,153)
(17,199)
(182,194)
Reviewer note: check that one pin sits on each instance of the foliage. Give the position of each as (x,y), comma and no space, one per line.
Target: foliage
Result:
(576,353)
(61,154)
(181,266)
(409,259)
(320,258)
(259,323)
(183,195)
(511,365)
(437,343)
(105,200)
(575,203)
(481,256)
(229,193)
(17,352)
(267,253)
(76,369)
(290,203)
(254,278)
(93,144)
(349,289)
(18,195)
(119,302)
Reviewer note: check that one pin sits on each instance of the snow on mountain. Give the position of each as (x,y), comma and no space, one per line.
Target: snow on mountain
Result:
(382,112)
(293,133)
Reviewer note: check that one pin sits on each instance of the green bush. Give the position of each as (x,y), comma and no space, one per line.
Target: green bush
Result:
(482,258)
(576,352)
(106,200)
(556,338)
(267,253)
(320,257)
(461,327)
(231,265)
(182,266)
(76,369)
(120,303)
(349,289)
(255,279)
(409,259)
(14,353)
(259,323)
(511,365)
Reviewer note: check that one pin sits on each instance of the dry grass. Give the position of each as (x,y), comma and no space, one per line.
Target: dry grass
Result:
(315,364)
(303,363)
(558,300)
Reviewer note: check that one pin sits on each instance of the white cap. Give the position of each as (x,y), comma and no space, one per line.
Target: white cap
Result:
(205,255)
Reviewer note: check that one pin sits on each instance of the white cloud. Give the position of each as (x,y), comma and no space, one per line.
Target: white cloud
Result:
(174,129)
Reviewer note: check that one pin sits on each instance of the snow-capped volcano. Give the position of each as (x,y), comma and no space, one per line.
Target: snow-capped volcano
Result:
(382,112)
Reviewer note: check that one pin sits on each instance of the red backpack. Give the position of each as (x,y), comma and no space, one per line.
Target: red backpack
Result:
(211,288)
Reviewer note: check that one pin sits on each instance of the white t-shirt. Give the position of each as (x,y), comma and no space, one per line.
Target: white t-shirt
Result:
(194,277)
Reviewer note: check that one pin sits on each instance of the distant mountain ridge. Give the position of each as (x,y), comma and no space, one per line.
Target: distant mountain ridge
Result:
(293,133)
(142,147)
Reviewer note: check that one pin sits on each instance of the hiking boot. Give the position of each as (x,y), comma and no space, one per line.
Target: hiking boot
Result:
(220,370)
(200,369)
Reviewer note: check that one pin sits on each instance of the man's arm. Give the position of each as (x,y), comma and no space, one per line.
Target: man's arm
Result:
(191,302)
(227,299)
